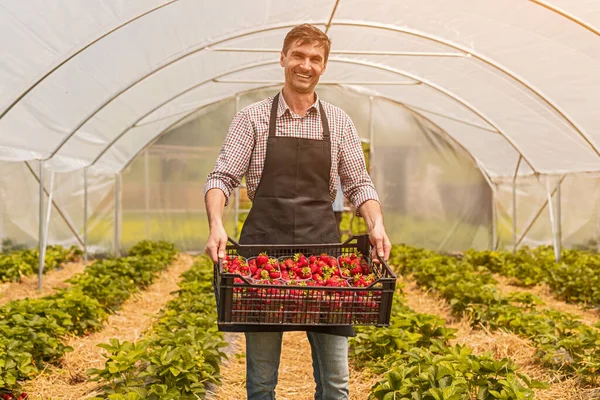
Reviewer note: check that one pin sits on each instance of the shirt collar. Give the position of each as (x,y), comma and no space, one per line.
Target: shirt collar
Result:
(282,106)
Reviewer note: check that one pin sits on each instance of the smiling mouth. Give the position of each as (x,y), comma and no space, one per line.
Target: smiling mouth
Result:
(303,76)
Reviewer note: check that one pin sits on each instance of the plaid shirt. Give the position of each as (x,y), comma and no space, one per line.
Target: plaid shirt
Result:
(245,147)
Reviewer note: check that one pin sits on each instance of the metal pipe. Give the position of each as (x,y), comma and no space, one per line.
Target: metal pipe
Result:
(117,223)
(559,220)
(494,216)
(349,52)
(502,69)
(459,120)
(328,25)
(514,199)
(85,215)
(444,132)
(69,58)
(147,191)
(433,86)
(395,29)
(41,225)
(537,215)
(330,83)
(69,224)
(568,16)
(46,228)
(494,228)
(552,219)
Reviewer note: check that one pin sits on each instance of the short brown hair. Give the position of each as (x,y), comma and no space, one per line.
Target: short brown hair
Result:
(307,33)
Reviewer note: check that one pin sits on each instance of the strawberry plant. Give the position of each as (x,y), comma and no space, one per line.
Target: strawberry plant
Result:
(31,331)
(17,264)
(562,342)
(179,357)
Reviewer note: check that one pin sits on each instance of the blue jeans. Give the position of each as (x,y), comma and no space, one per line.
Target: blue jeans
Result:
(330,365)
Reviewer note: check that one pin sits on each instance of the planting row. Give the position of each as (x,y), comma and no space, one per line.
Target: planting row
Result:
(416,362)
(179,357)
(31,330)
(20,263)
(575,279)
(562,341)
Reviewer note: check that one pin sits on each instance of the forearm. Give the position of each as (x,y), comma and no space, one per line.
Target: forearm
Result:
(215,204)
(370,210)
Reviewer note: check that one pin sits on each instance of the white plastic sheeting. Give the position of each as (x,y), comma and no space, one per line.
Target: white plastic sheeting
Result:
(90,84)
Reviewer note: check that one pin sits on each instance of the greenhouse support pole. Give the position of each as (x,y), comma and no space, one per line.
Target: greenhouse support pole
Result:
(117,238)
(494,228)
(41,226)
(514,201)
(85,215)
(147,191)
(46,228)
(551,211)
(558,221)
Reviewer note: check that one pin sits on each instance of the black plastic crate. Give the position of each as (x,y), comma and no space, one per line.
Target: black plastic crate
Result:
(248,304)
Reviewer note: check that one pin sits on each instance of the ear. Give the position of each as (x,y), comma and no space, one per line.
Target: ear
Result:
(281,58)
(324,68)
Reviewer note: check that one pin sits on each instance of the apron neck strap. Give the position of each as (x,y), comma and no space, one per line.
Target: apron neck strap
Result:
(273,119)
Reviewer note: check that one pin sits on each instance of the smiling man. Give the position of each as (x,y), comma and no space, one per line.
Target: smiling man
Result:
(290,148)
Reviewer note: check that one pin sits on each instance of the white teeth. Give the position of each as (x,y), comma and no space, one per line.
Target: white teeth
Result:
(302,76)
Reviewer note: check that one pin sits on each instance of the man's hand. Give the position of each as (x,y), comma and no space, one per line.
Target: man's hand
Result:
(371,212)
(217,240)
(380,242)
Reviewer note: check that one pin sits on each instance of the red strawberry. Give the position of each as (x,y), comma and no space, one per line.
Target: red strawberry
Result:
(274,274)
(312,259)
(305,273)
(301,260)
(357,270)
(262,259)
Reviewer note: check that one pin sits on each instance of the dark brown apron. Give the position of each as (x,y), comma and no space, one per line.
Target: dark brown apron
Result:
(292,204)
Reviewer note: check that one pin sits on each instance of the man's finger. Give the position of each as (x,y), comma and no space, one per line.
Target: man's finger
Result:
(222,245)
(379,246)
(212,253)
(387,248)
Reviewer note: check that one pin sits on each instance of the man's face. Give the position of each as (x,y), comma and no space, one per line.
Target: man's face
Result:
(303,66)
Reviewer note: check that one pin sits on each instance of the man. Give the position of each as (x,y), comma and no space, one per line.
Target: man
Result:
(289,147)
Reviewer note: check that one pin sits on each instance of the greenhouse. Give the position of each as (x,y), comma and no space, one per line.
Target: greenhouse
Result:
(479,119)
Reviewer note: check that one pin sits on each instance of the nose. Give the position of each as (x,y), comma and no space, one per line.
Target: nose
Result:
(305,64)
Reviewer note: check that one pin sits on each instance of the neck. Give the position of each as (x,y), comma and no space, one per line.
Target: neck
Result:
(298,102)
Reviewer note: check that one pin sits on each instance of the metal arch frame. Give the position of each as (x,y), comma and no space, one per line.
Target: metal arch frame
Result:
(448,137)
(566,15)
(434,86)
(443,132)
(160,68)
(186,115)
(82,49)
(407,31)
(485,60)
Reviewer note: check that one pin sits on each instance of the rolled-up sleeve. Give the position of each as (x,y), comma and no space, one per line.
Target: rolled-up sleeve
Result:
(356,182)
(234,158)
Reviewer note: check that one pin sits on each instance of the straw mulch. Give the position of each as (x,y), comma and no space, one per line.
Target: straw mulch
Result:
(137,315)
(296,380)
(500,344)
(590,317)
(28,287)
